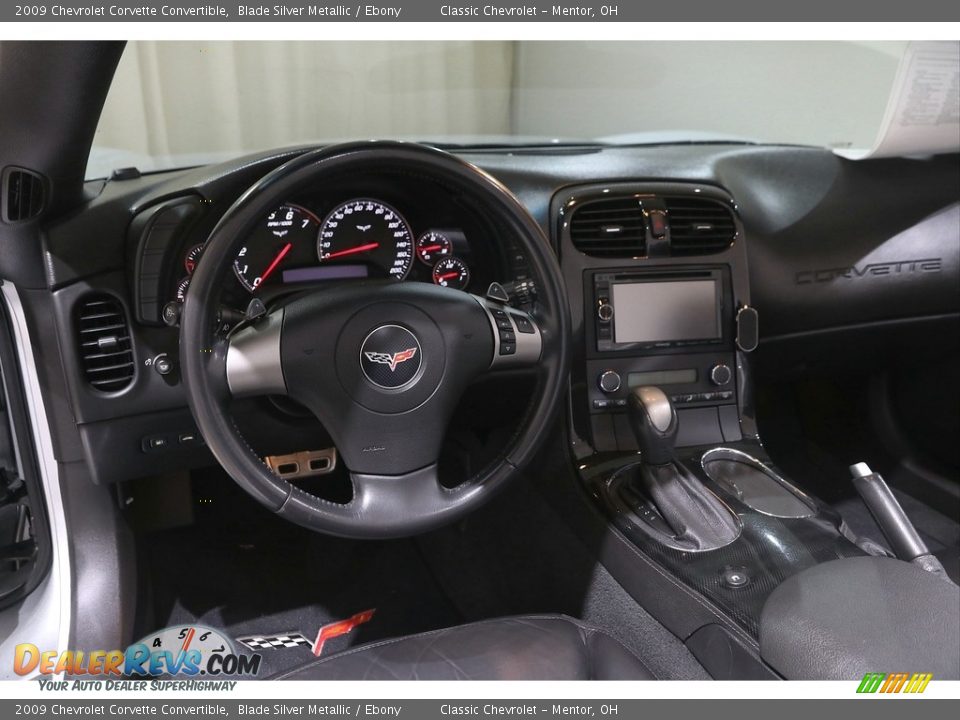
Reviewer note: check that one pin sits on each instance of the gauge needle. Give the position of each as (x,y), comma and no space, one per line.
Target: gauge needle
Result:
(448,276)
(431,248)
(276,261)
(351,251)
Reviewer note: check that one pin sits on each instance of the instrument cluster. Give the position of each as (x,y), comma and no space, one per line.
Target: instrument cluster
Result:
(359,238)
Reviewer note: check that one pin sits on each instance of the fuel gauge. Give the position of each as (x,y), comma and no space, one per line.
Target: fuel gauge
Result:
(451,272)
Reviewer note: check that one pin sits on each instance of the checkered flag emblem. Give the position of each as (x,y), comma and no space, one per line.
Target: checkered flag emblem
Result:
(272,642)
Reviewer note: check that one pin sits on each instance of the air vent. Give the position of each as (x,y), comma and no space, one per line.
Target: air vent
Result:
(105,349)
(611,227)
(22,194)
(698,226)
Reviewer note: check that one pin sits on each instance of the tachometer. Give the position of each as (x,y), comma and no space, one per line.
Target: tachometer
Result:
(284,240)
(367,231)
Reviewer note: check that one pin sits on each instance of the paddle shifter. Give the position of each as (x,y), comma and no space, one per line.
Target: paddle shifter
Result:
(695,517)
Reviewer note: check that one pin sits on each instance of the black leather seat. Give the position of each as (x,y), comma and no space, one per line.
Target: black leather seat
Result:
(535,647)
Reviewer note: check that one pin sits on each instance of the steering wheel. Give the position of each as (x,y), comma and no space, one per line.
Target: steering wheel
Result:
(381,364)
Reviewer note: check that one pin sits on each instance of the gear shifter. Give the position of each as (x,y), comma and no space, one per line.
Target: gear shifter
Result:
(655,423)
(696,518)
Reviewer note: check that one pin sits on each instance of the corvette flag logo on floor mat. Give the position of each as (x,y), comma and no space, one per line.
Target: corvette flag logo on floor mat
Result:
(274,642)
(341,627)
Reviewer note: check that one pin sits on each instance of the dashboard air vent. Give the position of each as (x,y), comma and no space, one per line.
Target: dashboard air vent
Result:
(612,227)
(22,194)
(699,226)
(106,354)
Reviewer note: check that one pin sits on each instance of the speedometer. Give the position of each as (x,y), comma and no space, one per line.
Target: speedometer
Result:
(368,231)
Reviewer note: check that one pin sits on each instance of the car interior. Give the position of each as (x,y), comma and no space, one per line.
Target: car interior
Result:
(550,410)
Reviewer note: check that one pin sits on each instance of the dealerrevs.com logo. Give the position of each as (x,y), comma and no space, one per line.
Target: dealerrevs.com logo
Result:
(178,651)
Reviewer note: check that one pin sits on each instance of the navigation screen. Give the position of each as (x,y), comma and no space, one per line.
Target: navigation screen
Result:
(649,312)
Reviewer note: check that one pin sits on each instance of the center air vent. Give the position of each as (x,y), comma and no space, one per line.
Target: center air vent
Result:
(699,226)
(611,227)
(106,354)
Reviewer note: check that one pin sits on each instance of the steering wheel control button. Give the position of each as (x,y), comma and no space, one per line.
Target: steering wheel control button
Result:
(517,337)
(609,381)
(523,324)
(390,357)
(503,322)
(720,374)
(734,577)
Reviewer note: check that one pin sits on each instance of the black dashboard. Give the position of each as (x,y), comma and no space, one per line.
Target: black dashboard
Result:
(880,239)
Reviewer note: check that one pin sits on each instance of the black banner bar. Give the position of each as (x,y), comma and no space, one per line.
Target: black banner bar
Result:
(212,706)
(504,11)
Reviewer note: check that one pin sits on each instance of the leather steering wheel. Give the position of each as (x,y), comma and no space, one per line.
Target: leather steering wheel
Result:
(381,364)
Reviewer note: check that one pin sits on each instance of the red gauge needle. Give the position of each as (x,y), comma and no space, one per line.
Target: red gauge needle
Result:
(431,248)
(448,276)
(276,261)
(351,251)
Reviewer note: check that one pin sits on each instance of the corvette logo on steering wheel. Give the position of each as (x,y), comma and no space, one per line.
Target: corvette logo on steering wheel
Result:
(391,357)
(393,360)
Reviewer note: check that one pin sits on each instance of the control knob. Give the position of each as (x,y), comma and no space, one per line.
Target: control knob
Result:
(720,374)
(609,381)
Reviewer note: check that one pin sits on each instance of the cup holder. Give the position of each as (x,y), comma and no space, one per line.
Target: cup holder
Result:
(755,485)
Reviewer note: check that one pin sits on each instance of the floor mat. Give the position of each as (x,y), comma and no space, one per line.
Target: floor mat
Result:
(273,578)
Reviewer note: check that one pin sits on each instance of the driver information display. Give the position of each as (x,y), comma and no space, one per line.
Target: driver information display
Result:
(660,311)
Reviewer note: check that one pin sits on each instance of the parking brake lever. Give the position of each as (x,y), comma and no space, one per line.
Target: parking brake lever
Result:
(900,532)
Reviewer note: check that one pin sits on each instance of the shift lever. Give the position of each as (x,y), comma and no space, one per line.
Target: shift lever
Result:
(655,424)
(696,518)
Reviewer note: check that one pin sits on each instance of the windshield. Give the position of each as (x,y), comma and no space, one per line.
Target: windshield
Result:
(175,104)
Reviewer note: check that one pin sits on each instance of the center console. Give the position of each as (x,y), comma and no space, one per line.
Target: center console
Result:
(676,328)
(660,297)
(662,421)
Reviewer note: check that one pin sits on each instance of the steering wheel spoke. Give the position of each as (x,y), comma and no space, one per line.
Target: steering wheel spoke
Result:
(253,364)
(517,339)
(382,498)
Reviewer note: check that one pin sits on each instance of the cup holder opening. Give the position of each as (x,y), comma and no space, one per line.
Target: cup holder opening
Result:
(755,484)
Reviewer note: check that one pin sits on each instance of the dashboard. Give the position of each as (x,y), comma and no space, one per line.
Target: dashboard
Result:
(795,211)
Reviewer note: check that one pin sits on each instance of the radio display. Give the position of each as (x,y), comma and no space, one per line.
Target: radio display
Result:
(665,311)
(661,377)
